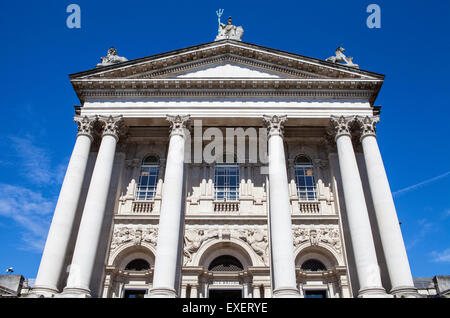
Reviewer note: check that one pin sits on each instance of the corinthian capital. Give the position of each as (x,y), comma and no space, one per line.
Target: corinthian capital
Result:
(111,125)
(177,124)
(367,125)
(275,124)
(85,125)
(341,125)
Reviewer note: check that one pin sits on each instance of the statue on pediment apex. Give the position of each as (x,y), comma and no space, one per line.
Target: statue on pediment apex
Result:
(228,31)
(111,58)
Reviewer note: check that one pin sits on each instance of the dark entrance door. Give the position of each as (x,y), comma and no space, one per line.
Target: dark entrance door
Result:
(315,294)
(132,293)
(225,293)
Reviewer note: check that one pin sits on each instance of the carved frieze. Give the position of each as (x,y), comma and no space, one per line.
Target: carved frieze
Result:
(254,236)
(316,234)
(137,234)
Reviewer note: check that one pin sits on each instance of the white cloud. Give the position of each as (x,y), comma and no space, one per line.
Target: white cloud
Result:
(30,210)
(34,162)
(441,257)
(425,228)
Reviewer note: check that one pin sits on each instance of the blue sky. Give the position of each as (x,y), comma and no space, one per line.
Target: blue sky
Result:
(37,134)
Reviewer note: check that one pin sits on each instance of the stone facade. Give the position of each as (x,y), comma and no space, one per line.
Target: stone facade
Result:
(342,241)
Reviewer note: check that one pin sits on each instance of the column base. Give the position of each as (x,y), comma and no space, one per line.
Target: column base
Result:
(405,292)
(162,293)
(373,292)
(286,292)
(42,292)
(75,292)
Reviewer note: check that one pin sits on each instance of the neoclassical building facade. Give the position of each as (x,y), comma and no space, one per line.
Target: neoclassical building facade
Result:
(143,212)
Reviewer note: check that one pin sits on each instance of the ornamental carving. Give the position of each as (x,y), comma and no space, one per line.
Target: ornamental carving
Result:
(367,125)
(275,124)
(339,57)
(136,234)
(342,125)
(85,125)
(111,125)
(111,58)
(228,31)
(314,235)
(177,124)
(255,237)
(193,240)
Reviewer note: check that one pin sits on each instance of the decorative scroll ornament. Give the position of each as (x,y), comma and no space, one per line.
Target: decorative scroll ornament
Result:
(111,58)
(177,124)
(327,235)
(275,124)
(137,235)
(228,31)
(341,58)
(341,125)
(367,125)
(85,125)
(111,125)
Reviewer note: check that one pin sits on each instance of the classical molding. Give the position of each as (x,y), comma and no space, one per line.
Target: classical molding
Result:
(274,124)
(86,125)
(367,125)
(111,125)
(178,124)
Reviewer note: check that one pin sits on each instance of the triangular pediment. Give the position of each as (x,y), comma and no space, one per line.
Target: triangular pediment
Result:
(227,70)
(226,59)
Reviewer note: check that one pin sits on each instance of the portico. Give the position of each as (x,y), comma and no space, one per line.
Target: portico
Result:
(293,223)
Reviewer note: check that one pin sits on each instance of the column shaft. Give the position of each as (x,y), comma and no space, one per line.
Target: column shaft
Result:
(386,215)
(53,257)
(360,230)
(91,222)
(170,219)
(282,248)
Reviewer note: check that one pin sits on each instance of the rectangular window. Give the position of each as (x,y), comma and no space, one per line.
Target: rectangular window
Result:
(226,183)
(306,185)
(148,180)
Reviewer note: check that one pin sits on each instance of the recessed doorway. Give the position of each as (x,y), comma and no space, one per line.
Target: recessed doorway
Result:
(225,293)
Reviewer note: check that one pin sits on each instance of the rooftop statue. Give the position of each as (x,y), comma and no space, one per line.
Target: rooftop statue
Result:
(341,58)
(111,58)
(228,31)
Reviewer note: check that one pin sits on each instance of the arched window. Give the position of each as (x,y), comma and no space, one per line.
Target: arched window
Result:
(304,178)
(226,180)
(313,265)
(225,263)
(138,264)
(148,178)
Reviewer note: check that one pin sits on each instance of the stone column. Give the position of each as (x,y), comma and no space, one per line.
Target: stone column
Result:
(282,247)
(170,220)
(91,222)
(256,291)
(55,250)
(194,291)
(386,215)
(358,218)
